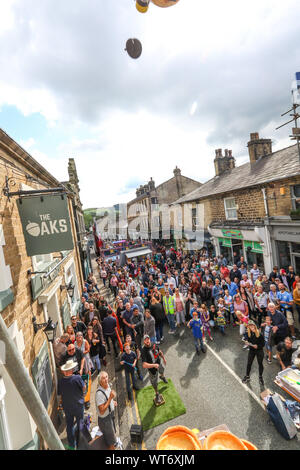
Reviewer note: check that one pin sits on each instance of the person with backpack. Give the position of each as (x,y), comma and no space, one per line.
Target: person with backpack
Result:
(105,404)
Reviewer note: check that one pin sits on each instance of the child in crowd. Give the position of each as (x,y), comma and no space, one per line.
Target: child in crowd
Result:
(204,315)
(267,334)
(195,308)
(212,315)
(229,309)
(196,326)
(221,322)
(222,307)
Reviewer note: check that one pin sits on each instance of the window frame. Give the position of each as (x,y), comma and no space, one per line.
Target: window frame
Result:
(235,208)
(295,200)
(39,266)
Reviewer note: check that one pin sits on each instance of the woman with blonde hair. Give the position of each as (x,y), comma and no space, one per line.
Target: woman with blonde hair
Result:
(256,344)
(71,333)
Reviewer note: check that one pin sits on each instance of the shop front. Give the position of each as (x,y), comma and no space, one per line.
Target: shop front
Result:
(234,243)
(286,245)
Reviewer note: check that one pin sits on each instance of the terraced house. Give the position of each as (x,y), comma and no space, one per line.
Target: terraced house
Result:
(40,278)
(253,210)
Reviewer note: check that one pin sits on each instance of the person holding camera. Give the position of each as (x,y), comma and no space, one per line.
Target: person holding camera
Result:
(151,359)
(256,344)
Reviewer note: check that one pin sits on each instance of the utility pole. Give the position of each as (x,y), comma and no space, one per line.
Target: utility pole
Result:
(23,383)
(295,116)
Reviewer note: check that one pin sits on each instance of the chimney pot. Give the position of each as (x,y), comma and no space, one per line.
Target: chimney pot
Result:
(258,148)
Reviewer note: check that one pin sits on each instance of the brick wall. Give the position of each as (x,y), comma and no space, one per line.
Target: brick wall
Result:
(250,202)
(23,309)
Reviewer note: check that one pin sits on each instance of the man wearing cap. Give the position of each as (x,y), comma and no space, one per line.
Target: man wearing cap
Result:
(71,388)
(151,359)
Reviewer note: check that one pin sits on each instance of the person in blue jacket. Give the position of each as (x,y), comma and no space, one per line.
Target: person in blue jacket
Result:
(196,325)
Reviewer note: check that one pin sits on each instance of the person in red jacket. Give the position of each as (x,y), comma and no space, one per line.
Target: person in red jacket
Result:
(224,271)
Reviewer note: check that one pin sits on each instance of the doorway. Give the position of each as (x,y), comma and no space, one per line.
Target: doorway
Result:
(237,250)
(297,265)
(54,313)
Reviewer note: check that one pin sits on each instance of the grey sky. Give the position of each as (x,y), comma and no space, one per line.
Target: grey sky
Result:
(235,60)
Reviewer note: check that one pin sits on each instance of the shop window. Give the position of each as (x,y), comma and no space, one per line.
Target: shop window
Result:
(284,256)
(255,258)
(295,247)
(297,265)
(225,249)
(295,190)
(230,208)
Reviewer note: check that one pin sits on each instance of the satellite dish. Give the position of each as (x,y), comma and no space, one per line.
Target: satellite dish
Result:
(134,48)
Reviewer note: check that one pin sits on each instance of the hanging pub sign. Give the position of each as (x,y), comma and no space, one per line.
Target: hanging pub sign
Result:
(46,224)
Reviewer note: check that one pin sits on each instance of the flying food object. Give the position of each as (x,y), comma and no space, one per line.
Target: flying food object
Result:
(143,5)
(133,48)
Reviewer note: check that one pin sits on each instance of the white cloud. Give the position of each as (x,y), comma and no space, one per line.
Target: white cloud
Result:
(210,73)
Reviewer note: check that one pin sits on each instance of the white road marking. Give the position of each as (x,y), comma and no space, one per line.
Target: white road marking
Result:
(253,395)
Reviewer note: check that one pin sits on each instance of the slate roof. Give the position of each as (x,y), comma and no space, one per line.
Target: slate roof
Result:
(278,165)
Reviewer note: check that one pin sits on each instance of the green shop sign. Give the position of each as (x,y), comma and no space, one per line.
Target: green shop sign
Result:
(255,246)
(225,242)
(46,224)
(232,233)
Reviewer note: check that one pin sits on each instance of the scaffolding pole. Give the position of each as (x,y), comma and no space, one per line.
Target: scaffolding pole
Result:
(23,383)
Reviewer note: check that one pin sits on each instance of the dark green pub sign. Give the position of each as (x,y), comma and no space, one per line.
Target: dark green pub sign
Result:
(46,224)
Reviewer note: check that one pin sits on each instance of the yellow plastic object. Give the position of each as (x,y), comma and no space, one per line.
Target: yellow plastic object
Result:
(249,445)
(223,440)
(178,438)
(141,6)
(164,3)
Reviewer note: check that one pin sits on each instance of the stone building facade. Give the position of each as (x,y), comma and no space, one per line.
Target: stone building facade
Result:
(83,246)
(248,209)
(139,210)
(24,295)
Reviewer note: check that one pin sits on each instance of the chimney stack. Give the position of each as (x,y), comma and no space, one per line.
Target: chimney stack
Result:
(223,163)
(258,148)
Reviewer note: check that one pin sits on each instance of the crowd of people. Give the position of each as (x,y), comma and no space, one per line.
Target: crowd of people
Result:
(174,290)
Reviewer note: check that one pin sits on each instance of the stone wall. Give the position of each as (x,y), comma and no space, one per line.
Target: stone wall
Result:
(23,308)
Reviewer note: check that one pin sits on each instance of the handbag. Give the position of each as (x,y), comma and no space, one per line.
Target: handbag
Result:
(102,351)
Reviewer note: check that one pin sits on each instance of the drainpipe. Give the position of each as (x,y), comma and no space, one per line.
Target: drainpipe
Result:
(265,202)
(23,383)
(267,232)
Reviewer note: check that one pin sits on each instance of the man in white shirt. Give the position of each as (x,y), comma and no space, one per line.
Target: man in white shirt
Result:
(254,273)
(171,280)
